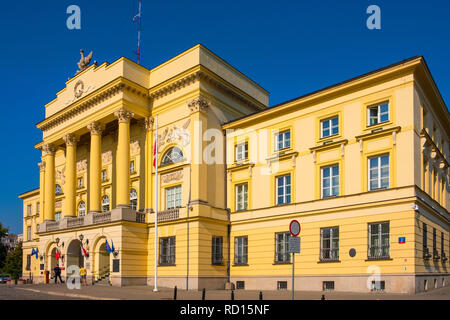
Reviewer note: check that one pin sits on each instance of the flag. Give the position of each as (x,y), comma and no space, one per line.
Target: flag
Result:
(35,252)
(107,247)
(57,254)
(112,247)
(154,154)
(83,251)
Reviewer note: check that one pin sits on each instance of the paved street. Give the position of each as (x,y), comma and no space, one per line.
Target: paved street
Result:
(101,292)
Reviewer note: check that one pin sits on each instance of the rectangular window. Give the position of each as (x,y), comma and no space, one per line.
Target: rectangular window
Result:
(167,251)
(329,127)
(104,176)
(241,197)
(328,285)
(378,114)
(29,209)
(38,207)
(132,167)
(378,286)
(80,182)
(282,254)
(217,245)
(57,216)
(28,233)
(330,181)
(378,172)
(435,251)
(28,266)
(281,285)
(173,197)
(240,284)
(283,140)
(283,189)
(241,250)
(329,244)
(379,240)
(242,151)
(442,246)
(426,253)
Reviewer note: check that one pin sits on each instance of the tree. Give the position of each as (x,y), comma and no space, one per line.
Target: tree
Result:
(13,263)
(3,248)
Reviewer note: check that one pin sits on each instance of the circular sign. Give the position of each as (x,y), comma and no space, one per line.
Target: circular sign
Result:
(352,252)
(294,228)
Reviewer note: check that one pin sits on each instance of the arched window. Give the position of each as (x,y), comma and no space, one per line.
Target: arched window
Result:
(81,209)
(133,199)
(172,155)
(58,190)
(105,203)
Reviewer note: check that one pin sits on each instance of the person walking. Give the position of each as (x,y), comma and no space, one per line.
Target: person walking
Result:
(57,271)
(83,275)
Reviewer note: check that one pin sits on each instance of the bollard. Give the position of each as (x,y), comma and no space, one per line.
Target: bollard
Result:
(323,297)
(232,294)
(260,295)
(175,293)
(203,294)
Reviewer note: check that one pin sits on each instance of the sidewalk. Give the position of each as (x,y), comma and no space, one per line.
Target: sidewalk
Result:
(101,292)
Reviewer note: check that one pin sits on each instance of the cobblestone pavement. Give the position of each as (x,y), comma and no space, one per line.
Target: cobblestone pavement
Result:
(101,292)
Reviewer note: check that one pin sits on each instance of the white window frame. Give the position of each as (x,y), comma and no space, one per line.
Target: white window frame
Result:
(81,209)
(330,128)
(333,251)
(29,210)
(241,151)
(286,143)
(80,182)
(378,116)
(284,186)
(378,172)
(243,204)
(167,251)
(173,197)
(58,216)
(105,203)
(379,235)
(241,250)
(133,199)
(132,167)
(331,187)
(282,247)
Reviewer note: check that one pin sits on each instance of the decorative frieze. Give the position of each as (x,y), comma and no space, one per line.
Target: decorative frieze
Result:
(82,165)
(174,134)
(60,175)
(135,148)
(107,157)
(58,204)
(172,176)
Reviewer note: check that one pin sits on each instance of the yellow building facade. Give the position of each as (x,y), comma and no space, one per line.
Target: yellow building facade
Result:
(362,165)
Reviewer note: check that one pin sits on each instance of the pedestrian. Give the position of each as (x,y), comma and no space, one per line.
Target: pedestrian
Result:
(57,271)
(83,275)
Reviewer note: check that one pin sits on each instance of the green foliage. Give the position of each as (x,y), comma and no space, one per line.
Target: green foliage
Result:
(3,249)
(13,263)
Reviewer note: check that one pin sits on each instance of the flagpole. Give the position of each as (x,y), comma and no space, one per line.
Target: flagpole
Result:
(156,204)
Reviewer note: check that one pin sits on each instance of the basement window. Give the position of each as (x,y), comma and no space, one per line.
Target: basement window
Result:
(282,285)
(328,285)
(378,286)
(240,284)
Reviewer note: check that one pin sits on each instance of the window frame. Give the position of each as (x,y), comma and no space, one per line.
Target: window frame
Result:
(276,140)
(379,168)
(132,167)
(133,201)
(169,258)
(217,250)
(380,247)
(103,203)
(378,108)
(285,186)
(105,176)
(331,187)
(331,249)
(168,155)
(79,185)
(241,258)
(286,255)
(331,126)
(243,153)
(169,189)
(78,208)
(244,199)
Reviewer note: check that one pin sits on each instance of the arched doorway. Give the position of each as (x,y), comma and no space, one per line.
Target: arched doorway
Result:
(52,259)
(103,262)
(74,256)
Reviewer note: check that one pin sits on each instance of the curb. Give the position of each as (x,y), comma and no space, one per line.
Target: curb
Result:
(71,295)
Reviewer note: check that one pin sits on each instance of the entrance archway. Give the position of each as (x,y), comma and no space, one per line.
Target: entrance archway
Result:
(103,262)
(74,256)
(52,259)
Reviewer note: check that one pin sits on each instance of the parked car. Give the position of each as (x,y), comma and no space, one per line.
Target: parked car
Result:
(4,278)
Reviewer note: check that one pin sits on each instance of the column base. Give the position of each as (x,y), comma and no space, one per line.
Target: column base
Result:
(124,206)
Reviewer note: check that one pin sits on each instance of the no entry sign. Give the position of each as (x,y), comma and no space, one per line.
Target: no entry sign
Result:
(294,228)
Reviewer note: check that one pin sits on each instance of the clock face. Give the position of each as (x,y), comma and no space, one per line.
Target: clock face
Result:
(78,89)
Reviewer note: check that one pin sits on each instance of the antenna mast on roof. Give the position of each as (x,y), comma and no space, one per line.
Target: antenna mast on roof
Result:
(138,18)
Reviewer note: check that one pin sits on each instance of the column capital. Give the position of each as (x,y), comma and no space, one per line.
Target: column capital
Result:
(198,104)
(49,149)
(41,166)
(148,123)
(123,115)
(71,139)
(96,127)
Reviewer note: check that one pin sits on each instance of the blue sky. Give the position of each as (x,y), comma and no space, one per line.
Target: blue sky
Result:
(288,47)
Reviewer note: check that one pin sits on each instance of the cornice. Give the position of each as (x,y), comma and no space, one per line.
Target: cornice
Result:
(201,73)
(377,132)
(109,90)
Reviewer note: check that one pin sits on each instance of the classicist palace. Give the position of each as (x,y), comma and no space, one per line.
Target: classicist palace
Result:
(363,165)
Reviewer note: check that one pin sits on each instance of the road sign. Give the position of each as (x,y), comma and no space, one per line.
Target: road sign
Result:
(294,228)
(294,245)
